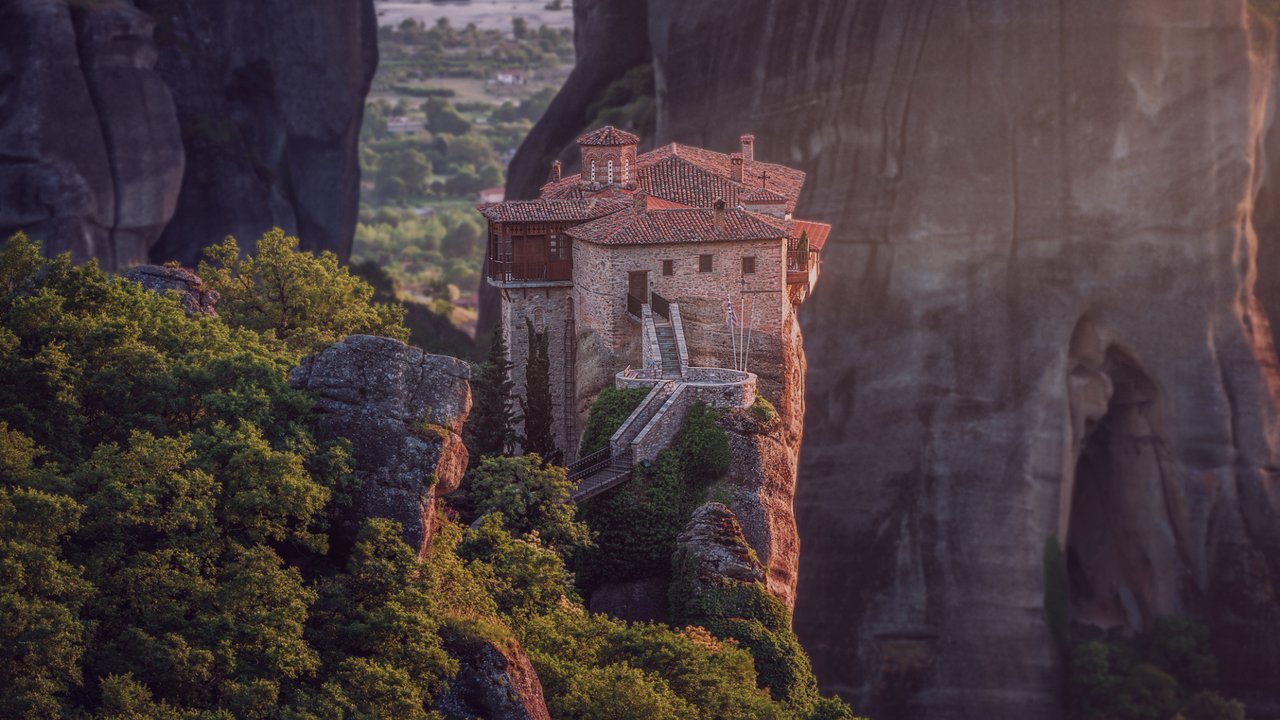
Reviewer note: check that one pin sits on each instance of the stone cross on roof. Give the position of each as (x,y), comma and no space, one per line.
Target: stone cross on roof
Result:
(764,177)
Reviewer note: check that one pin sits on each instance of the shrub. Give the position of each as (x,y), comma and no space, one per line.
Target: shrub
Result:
(532,497)
(612,408)
(702,445)
(763,410)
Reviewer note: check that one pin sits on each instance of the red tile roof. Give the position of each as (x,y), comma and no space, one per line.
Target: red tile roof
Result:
(653,227)
(762,196)
(818,232)
(608,135)
(696,177)
(554,210)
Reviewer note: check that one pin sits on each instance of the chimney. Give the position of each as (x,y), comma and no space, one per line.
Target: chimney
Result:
(641,200)
(718,219)
(735,165)
(748,147)
(555,171)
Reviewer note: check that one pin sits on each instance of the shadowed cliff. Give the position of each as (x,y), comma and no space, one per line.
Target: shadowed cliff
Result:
(1041,316)
(135,131)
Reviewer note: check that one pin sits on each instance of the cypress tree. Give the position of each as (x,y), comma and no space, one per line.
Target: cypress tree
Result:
(536,405)
(490,429)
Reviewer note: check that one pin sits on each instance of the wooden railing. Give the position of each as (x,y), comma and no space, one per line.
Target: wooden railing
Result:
(590,464)
(635,306)
(797,261)
(508,271)
(660,305)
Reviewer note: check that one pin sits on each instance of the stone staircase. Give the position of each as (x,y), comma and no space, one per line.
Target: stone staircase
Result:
(604,477)
(668,349)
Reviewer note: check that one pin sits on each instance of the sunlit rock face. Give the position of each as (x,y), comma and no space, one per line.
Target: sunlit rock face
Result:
(403,412)
(1038,318)
(144,130)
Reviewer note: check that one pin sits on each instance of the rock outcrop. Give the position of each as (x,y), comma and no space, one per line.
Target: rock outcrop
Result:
(495,681)
(144,130)
(715,541)
(762,473)
(1044,312)
(403,411)
(195,297)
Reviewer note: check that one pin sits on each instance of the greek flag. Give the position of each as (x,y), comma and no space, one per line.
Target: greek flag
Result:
(730,318)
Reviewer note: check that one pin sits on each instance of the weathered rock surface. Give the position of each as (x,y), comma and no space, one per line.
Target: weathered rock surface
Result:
(1000,176)
(762,473)
(495,681)
(196,298)
(90,149)
(714,539)
(403,411)
(136,130)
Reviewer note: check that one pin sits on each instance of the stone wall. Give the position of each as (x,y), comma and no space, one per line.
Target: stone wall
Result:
(550,309)
(720,388)
(601,287)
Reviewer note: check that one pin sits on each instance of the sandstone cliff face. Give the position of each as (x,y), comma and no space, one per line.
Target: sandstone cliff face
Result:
(1041,315)
(495,681)
(403,411)
(136,130)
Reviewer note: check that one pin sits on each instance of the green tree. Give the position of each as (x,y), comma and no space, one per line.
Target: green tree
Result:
(41,594)
(378,630)
(536,406)
(490,428)
(442,117)
(303,301)
(527,578)
(408,166)
(519,28)
(532,497)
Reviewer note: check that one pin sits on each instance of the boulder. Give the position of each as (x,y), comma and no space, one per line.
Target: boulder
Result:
(714,539)
(195,297)
(495,680)
(403,411)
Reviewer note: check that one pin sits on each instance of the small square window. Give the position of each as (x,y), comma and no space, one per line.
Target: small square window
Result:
(704,263)
(668,267)
(748,265)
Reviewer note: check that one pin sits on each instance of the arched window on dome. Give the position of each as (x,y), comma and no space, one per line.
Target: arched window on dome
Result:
(610,171)
(593,169)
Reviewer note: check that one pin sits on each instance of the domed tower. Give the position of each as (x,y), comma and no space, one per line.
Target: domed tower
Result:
(608,157)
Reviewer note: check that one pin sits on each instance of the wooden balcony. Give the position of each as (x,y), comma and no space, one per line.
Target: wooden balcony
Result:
(530,271)
(798,265)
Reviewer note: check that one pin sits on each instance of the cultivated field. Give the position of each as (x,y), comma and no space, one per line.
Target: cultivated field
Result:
(486,14)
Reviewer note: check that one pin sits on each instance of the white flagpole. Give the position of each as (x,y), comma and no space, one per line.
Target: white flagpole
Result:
(750,331)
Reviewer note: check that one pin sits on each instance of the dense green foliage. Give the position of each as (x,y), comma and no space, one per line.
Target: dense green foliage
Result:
(164,516)
(531,496)
(612,408)
(757,620)
(594,667)
(636,526)
(1166,672)
(302,301)
(537,412)
(491,427)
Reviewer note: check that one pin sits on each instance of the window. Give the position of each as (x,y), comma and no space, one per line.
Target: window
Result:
(593,169)
(668,267)
(704,263)
(558,247)
(610,171)
(748,265)
(626,169)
